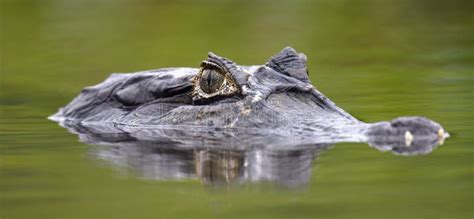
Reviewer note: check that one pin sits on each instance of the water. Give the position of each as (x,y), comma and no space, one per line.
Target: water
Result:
(376,59)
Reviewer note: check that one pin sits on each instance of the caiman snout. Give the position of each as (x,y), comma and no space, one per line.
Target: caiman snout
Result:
(407,135)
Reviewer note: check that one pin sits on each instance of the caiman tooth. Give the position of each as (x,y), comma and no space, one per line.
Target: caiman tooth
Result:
(441,136)
(408,138)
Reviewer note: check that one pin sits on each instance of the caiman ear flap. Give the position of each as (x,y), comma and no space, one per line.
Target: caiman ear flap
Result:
(291,63)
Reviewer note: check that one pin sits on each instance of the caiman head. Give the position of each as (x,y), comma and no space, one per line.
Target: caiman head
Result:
(277,96)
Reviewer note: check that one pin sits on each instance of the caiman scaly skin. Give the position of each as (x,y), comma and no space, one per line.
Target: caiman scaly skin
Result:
(276,97)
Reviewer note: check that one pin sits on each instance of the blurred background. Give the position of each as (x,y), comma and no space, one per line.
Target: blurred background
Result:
(377,59)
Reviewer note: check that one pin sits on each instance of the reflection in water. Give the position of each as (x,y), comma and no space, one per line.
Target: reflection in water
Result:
(222,157)
(213,166)
(416,146)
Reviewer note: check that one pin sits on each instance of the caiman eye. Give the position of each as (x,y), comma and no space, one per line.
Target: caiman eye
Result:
(211,80)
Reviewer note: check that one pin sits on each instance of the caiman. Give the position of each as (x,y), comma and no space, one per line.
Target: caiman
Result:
(274,99)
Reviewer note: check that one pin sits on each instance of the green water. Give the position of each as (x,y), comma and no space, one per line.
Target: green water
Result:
(376,59)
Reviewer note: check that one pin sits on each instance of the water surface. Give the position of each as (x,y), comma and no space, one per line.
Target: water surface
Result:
(376,59)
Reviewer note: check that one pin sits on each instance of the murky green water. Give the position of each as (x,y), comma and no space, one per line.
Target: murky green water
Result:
(376,59)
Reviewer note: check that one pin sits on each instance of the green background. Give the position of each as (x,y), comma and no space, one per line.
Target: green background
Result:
(377,59)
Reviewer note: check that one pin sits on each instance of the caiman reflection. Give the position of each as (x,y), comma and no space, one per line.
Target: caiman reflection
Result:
(213,166)
(219,158)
